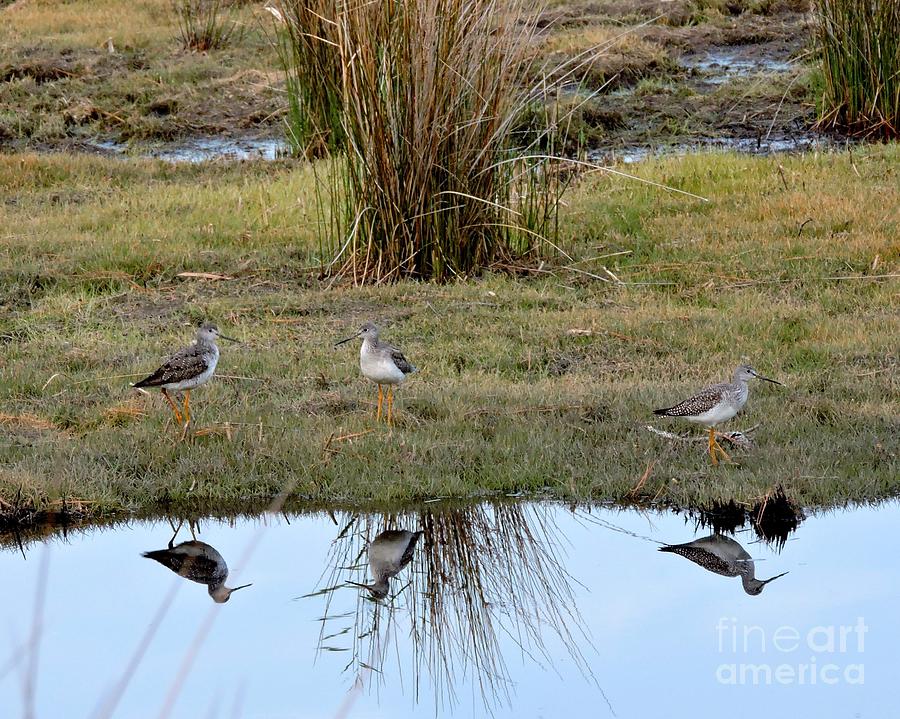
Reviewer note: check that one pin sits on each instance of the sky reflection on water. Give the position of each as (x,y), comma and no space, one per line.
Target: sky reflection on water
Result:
(525,610)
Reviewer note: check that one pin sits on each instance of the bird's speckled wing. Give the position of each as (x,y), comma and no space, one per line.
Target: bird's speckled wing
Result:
(402,363)
(705,559)
(192,560)
(701,402)
(392,550)
(410,549)
(185,364)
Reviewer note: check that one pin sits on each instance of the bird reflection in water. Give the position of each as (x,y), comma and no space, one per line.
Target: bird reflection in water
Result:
(199,562)
(484,579)
(722,555)
(388,553)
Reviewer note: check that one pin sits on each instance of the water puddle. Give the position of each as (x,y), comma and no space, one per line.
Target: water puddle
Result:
(201,149)
(509,609)
(718,66)
(799,142)
(211,149)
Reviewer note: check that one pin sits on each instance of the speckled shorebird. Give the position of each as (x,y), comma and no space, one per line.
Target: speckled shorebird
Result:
(382,363)
(199,562)
(186,369)
(389,552)
(716,404)
(722,555)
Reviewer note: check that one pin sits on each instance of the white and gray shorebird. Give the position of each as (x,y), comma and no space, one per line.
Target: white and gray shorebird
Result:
(722,555)
(716,404)
(382,363)
(389,553)
(199,562)
(187,369)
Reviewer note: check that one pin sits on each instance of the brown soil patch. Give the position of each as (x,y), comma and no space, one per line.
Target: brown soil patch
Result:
(655,88)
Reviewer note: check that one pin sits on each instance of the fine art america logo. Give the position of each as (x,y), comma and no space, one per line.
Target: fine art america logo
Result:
(791,655)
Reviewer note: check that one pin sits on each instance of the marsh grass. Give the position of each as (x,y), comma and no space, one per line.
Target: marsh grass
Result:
(421,101)
(62,82)
(306,39)
(205,24)
(540,383)
(859,41)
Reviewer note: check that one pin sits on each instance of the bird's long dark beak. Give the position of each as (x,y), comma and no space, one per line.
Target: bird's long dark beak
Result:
(243,586)
(357,584)
(766,581)
(767,379)
(351,337)
(230,339)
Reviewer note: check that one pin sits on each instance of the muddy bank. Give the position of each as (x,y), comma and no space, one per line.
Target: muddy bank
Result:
(660,74)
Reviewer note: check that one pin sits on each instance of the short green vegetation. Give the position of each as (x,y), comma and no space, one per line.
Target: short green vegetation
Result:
(534,377)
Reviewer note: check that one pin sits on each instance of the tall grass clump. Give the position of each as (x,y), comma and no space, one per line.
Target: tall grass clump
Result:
(860,47)
(307,48)
(205,24)
(421,98)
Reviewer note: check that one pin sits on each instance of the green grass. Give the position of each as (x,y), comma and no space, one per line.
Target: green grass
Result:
(510,396)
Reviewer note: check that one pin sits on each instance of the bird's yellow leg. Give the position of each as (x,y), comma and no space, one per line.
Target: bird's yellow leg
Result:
(712,446)
(175,531)
(390,412)
(174,406)
(187,414)
(380,400)
(725,454)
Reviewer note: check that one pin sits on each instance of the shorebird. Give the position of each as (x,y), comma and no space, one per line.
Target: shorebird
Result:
(389,552)
(199,562)
(382,363)
(722,555)
(716,404)
(188,368)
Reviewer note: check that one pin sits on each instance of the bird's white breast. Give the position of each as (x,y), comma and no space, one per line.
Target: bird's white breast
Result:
(378,366)
(729,405)
(722,412)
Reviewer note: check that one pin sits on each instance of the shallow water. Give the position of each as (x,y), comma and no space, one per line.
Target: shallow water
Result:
(798,142)
(717,67)
(203,149)
(526,610)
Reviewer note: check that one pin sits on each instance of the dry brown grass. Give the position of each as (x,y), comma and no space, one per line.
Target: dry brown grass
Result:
(81,69)
(137,23)
(28,421)
(125,412)
(422,100)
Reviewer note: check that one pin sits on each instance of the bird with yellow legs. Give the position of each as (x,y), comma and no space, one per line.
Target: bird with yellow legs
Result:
(186,370)
(383,364)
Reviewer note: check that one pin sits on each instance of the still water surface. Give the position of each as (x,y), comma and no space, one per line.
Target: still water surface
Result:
(514,610)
